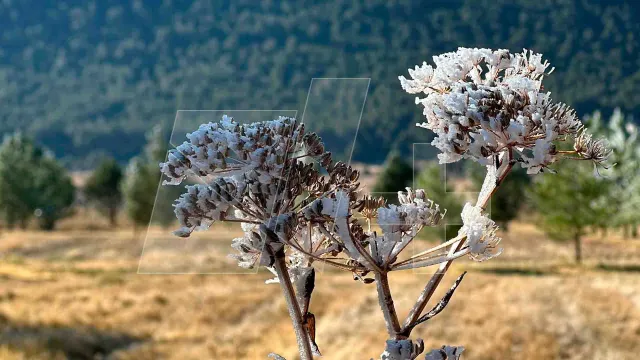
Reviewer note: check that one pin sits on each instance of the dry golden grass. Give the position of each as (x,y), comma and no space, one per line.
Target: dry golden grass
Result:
(77,294)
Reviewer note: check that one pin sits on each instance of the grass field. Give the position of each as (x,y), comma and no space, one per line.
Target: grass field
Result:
(77,294)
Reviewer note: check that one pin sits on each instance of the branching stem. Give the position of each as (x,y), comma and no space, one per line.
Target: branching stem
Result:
(302,337)
(437,277)
(386,304)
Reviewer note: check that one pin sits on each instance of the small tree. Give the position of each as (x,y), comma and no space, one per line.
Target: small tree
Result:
(18,155)
(56,193)
(506,204)
(32,183)
(570,202)
(625,175)
(140,187)
(397,174)
(103,188)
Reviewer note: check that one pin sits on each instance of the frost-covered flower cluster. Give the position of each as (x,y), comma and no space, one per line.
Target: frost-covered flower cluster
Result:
(244,168)
(402,350)
(480,232)
(401,223)
(481,102)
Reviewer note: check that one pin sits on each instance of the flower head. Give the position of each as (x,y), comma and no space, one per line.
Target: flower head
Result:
(588,148)
(481,102)
(481,233)
(401,223)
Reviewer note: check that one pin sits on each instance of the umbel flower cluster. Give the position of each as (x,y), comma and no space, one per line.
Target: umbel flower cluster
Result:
(297,207)
(481,102)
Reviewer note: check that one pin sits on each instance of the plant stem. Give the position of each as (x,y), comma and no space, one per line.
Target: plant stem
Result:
(386,303)
(437,277)
(294,309)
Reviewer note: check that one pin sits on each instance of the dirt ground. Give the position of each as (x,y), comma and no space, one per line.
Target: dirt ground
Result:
(88,294)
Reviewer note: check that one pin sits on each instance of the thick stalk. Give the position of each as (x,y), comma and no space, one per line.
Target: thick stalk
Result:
(386,303)
(302,337)
(437,277)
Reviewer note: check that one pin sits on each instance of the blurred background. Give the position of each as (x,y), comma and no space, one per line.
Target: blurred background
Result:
(90,92)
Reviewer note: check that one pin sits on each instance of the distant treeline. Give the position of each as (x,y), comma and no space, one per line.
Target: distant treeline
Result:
(86,79)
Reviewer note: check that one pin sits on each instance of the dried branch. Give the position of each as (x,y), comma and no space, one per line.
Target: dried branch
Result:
(386,304)
(304,286)
(442,303)
(302,337)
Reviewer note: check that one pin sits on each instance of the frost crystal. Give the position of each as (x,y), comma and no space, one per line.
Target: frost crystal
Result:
(488,185)
(481,102)
(480,232)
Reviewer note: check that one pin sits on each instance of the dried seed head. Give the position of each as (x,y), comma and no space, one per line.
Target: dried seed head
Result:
(590,149)
(368,206)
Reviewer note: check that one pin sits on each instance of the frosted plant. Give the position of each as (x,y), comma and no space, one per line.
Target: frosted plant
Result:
(481,103)
(296,205)
(491,107)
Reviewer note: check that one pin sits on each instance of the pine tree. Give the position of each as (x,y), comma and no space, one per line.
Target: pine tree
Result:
(143,203)
(623,138)
(571,202)
(18,201)
(32,183)
(56,193)
(103,189)
(139,190)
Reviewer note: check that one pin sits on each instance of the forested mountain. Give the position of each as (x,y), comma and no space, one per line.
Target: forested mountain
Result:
(89,77)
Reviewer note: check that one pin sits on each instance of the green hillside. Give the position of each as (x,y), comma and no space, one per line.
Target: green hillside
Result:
(89,77)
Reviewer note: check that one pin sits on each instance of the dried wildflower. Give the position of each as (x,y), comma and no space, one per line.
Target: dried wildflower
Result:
(256,169)
(481,102)
(368,206)
(480,232)
(590,149)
